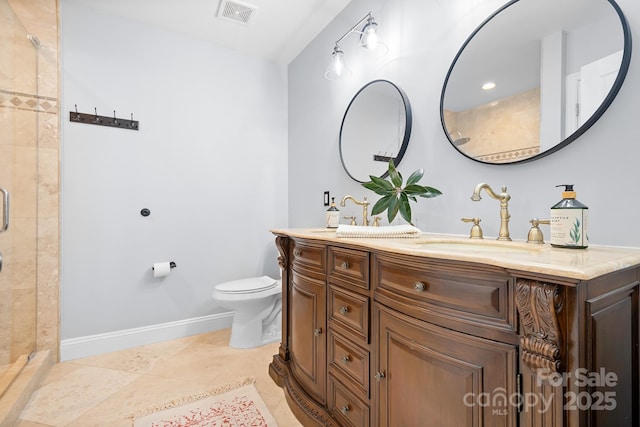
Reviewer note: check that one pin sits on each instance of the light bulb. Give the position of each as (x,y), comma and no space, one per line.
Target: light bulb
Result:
(370,38)
(369,35)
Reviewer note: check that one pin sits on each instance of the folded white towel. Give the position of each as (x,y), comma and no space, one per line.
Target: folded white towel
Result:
(387,231)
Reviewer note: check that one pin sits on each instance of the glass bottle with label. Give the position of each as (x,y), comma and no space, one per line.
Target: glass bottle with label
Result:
(333,215)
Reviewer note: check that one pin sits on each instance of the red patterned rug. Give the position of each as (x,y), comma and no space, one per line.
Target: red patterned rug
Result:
(234,405)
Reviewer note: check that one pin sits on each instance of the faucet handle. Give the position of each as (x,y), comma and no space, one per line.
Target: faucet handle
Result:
(352,218)
(535,234)
(376,221)
(476,231)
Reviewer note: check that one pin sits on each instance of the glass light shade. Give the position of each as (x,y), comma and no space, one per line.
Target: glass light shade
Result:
(337,67)
(369,37)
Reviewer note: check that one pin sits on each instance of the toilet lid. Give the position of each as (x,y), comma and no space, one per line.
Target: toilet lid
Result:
(254,284)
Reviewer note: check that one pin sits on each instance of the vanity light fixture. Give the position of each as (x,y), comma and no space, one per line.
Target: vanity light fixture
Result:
(368,39)
(488,86)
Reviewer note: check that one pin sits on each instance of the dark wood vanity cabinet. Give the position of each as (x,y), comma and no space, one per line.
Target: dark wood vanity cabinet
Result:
(445,338)
(307,330)
(429,375)
(307,342)
(378,338)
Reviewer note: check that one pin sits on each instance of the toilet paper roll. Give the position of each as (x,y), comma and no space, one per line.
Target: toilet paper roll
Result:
(161,269)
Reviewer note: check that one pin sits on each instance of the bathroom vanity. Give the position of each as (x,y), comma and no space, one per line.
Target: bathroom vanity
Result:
(449,331)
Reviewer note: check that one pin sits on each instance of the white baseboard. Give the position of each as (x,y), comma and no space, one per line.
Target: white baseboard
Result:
(75,348)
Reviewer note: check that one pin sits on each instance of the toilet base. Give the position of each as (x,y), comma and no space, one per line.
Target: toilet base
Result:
(250,330)
(257,306)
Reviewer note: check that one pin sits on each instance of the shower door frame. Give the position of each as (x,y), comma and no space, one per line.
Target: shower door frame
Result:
(19,154)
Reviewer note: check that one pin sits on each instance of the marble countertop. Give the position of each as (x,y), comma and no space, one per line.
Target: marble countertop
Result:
(580,264)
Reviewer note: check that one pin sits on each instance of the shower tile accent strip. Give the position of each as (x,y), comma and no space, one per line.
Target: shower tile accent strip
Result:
(511,155)
(25,101)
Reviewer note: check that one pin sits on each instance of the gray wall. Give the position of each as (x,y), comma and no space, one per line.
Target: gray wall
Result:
(206,162)
(423,38)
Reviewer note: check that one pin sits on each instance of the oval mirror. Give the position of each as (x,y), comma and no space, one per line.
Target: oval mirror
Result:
(533,77)
(375,129)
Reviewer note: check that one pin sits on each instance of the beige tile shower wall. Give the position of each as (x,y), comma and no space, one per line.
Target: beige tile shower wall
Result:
(18,173)
(40,17)
(504,130)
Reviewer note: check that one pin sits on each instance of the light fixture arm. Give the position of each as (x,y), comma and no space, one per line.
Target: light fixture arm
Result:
(354,29)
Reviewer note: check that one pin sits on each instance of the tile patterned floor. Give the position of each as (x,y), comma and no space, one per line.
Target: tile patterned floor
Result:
(106,390)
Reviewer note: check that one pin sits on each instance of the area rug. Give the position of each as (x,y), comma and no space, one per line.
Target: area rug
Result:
(233,405)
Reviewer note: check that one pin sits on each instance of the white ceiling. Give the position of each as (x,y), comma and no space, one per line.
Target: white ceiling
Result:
(278,29)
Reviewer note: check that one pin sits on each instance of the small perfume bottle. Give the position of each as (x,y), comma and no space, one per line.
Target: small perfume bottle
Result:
(333,215)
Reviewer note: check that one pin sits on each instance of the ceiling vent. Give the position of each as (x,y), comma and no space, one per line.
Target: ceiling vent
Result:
(237,12)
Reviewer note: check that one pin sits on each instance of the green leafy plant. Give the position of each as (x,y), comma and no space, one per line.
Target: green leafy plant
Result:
(395,197)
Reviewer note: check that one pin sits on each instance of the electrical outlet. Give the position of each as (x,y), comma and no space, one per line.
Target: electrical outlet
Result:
(326,198)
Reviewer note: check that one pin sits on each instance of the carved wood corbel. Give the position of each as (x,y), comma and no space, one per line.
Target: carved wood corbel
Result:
(539,305)
(282,243)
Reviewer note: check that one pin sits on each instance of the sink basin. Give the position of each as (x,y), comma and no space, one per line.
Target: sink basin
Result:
(480,245)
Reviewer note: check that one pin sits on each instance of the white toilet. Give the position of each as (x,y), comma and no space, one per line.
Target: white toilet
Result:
(257,306)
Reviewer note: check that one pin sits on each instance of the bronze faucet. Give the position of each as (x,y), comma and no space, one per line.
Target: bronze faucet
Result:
(364,204)
(503,198)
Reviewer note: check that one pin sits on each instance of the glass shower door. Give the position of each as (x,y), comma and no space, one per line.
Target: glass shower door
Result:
(19,176)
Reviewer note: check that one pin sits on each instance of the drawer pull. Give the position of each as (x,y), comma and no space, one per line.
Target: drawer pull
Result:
(317,332)
(419,286)
(379,376)
(297,252)
(345,265)
(345,359)
(344,310)
(345,409)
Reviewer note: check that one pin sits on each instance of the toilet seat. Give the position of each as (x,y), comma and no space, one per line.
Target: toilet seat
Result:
(247,286)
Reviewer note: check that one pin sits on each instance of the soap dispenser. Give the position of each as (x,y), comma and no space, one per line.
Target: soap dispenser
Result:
(569,219)
(333,215)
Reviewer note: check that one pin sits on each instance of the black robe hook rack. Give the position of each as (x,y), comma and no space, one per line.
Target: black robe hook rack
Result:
(95,119)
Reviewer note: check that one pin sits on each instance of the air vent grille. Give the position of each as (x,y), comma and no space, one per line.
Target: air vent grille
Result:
(237,12)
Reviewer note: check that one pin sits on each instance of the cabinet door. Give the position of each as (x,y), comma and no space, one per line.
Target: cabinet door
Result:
(612,375)
(426,375)
(307,340)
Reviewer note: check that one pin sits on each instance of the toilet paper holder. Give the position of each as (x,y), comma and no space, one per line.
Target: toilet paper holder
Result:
(171,265)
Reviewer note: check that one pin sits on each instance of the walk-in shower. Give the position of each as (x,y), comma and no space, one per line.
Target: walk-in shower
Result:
(19,114)
(19,177)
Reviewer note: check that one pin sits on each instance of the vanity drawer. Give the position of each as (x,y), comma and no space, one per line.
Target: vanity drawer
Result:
(349,360)
(349,266)
(446,292)
(308,257)
(350,311)
(345,407)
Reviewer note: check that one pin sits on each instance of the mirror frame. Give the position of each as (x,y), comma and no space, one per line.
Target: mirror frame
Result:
(407,127)
(617,84)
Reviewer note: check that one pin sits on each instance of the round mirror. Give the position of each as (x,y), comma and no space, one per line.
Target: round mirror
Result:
(533,77)
(375,129)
